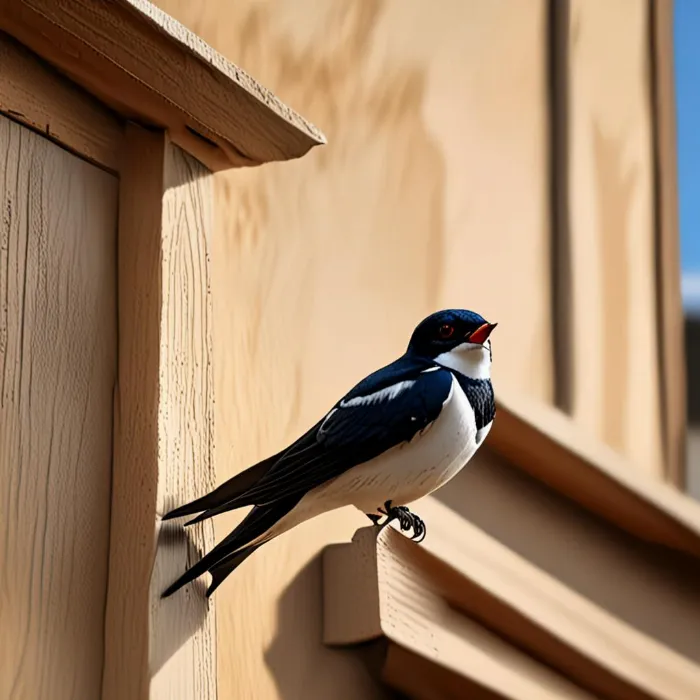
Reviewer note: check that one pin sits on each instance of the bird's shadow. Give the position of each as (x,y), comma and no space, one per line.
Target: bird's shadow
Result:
(178,618)
(302,666)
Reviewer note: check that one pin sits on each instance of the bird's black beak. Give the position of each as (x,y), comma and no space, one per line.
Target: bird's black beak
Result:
(481,333)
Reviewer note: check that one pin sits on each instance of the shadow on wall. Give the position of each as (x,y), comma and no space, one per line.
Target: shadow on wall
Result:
(179,617)
(692,353)
(302,666)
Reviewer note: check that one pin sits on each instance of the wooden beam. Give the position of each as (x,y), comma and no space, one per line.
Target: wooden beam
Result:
(612,245)
(151,69)
(418,596)
(672,373)
(164,425)
(552,448)
(361,603)
(34,94)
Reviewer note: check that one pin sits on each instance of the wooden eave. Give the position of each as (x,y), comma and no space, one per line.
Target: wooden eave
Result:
(464,613)
(151,69)
(550,447)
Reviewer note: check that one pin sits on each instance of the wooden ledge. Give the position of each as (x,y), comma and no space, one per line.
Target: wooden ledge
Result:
(546,444)
(151,69)
(443,600)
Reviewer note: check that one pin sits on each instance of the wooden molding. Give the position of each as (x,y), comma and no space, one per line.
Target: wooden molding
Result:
(549,446)
(670,305)
(34,94)
(151,69)
(370,593)
(438,600)
(163,442)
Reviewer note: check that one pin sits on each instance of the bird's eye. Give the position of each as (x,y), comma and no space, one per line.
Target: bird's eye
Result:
(446,331)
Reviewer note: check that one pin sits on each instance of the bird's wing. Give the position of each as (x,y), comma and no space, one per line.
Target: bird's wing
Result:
(321,453)
(365,423)
(384,410)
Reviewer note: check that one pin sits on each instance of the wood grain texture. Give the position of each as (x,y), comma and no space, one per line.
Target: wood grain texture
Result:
(323,266)
(368,593)
(148,66)
(553,448)
(671,323)
(461,566)
(58,350)
(164,434)
(616,396)
(37,96)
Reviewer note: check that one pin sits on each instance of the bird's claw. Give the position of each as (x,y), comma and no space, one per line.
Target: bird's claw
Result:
(407,520)
(419,528)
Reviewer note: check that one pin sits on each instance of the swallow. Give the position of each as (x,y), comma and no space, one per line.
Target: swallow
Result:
(398,435)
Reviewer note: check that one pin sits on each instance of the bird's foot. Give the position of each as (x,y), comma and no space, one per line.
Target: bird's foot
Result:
(407,520)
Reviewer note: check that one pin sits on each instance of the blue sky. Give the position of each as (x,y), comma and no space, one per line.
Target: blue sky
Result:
(687,63)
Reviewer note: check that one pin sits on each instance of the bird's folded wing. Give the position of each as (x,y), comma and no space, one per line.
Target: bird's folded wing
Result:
(359,428)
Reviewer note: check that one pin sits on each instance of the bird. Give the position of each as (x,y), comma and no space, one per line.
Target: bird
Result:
(399,434)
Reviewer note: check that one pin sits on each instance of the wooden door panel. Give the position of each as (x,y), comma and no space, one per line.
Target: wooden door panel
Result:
(57,372)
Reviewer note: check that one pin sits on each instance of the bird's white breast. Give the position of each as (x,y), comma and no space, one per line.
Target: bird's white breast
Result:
(408,471)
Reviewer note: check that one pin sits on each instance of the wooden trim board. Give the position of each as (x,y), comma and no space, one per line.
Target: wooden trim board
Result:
(615,340)
(151,69)
(35,95)
(550,447)
(670,310)
(436,599)
(163,440)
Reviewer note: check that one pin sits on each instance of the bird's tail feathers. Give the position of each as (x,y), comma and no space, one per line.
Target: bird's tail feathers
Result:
(211,512)
(190,575)
(236,548)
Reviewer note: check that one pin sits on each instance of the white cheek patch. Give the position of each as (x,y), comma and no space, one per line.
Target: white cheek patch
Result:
(386,394)
(470,359)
